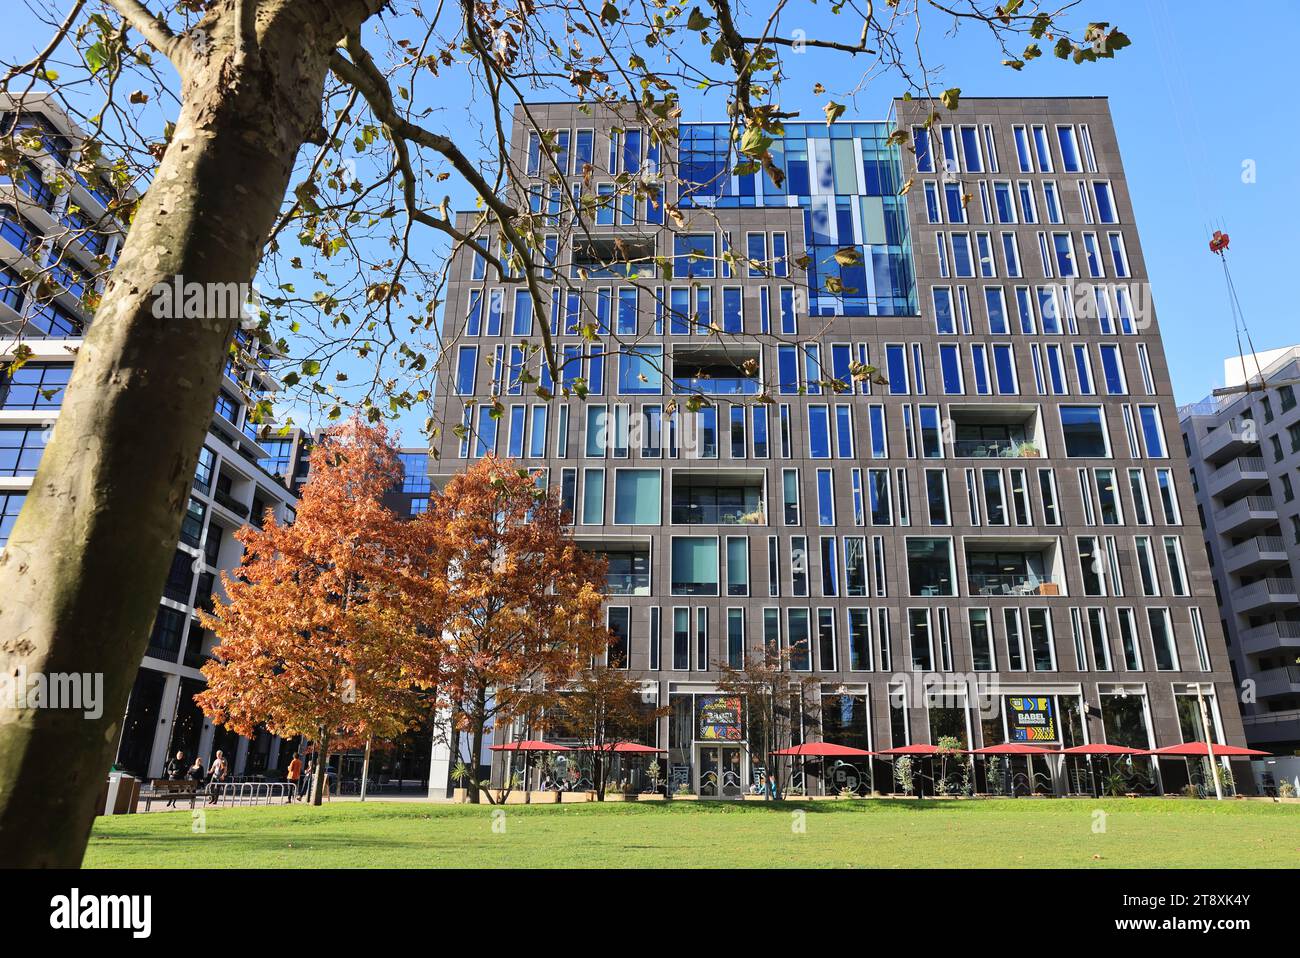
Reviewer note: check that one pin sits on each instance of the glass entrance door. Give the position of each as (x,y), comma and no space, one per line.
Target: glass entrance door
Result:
(721,771)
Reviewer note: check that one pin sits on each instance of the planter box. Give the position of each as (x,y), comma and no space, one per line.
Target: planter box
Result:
(549,797)
(569,798)
(460,795)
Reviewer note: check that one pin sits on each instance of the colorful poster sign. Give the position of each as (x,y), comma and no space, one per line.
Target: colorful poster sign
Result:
(720,718)
(1031,719)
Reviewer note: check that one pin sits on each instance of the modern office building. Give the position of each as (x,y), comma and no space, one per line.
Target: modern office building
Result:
(1000,516)
(59,236)
(1244,452)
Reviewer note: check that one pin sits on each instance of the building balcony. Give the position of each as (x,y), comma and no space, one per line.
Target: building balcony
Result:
(1272,683)
(1013,566)
(1271,638)
(1266,593)
(1253,555)
(1271,730)
(1228,441)
(1013,585)
(1244,515)
(230,503)
(718,497)
(627,569)
(995,431)
(1238,476)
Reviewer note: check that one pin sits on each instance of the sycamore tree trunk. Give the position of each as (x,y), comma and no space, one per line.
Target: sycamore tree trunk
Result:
(85,563)
(322,765)
(478,719)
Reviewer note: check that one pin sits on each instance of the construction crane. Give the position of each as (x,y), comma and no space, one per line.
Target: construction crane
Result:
(1219,246)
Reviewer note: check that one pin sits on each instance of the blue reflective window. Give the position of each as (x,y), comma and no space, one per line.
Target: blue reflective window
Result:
(825,498)
(819,432)
(523,319)
(896,369)
(640,370)
(1004,366)
(693,255)
(1112,369)
(787,370)
(627,307)
(997,310)
(1152,435)
(950,365)
(466,368)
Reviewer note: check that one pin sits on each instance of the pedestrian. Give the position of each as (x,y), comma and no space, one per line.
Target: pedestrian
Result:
(308,772)
(196,774)
(216,775)
(174,771)
(293,775)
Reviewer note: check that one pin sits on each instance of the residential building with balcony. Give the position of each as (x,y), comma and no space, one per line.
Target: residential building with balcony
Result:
(1244,461)
(999,511)
(60,232)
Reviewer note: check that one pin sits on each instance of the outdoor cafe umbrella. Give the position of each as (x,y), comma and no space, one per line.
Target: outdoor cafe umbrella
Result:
(1102,748)
(1016,748)
(920,748)
(822,750)
(528,746)
(623,748)
(1201,750)
(1188,750)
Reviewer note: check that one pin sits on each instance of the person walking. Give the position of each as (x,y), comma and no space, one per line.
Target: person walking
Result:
(174,771)
(216,775)
(293,775)
(306,778)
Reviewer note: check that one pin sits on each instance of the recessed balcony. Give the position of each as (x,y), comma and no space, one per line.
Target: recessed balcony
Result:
(717,370)
(719,497)
(628,571)
(995,431)
(1237,476)
(1013,566)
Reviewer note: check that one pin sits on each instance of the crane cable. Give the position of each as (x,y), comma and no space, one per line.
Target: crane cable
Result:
(1219,246)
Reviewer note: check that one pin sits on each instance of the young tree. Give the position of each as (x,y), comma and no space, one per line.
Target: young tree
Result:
(522,604)
(255,81)
(324,628)
(778,702)
(604,707)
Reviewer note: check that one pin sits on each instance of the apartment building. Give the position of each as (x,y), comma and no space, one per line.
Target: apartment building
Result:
(57,222)
(999,515)
(1244,462)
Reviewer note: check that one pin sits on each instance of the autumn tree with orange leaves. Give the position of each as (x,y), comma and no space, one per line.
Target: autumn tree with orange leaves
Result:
(330,626)
(523,601)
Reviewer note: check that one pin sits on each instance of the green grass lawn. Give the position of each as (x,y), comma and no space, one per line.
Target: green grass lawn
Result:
(868,834)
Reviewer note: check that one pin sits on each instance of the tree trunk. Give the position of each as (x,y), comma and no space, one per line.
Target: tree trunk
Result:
(478,719)
(85,563)
(322,764)
(365,767)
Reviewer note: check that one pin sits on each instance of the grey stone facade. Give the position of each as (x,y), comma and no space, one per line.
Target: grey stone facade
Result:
(1007,441)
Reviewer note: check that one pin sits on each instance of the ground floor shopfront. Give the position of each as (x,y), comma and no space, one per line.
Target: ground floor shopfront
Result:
(713,744)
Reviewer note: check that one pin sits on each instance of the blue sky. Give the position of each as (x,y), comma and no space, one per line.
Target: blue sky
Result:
(1197,95)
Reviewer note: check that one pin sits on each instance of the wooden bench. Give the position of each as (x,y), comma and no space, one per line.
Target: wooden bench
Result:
(160,788)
